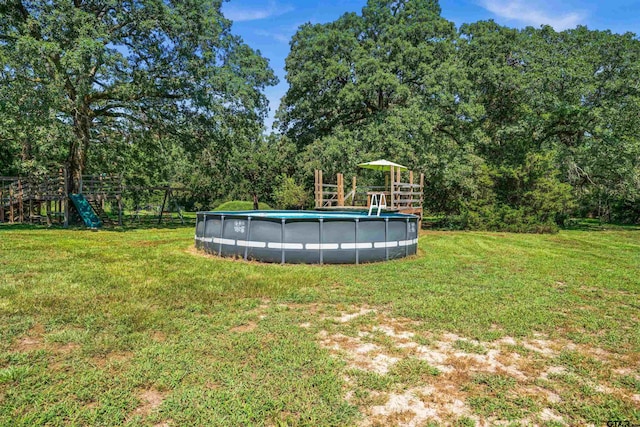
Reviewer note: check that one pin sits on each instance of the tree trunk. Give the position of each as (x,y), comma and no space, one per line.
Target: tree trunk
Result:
(78,151)
(25,153)
(256,206)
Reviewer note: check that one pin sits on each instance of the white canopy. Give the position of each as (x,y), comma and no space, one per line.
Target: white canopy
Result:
(381,165)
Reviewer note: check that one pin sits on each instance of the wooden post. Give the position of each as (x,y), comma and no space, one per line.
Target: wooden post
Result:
(30,207)
(11,213)
(48,210)
(392,176)
(320,187)
(398,196)
(354,188)
(1,204)
(421,198)
(20,202)
(411,189)
(102,193)
(65,200)
(315,187)
(119,199)
(164,202)
(340,190)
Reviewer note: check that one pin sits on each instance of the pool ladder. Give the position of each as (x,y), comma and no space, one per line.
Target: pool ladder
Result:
(378,201)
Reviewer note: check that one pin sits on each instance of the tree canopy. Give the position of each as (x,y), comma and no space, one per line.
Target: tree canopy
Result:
(512,127)
(515,129)
(109,77)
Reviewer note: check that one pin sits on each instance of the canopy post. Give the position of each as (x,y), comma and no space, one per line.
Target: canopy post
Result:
(316,191)
(393,185)
(321,184)
(354,187)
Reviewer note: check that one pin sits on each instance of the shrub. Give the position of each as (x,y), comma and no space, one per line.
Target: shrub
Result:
(239,205)
(289,194)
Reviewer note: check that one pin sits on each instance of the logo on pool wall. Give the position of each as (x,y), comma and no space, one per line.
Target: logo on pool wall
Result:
(412,227)
(238,226)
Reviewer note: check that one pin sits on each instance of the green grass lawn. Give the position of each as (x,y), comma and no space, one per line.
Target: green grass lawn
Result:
(133,327)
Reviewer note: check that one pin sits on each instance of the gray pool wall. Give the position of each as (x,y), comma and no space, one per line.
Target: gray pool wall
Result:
(309,237)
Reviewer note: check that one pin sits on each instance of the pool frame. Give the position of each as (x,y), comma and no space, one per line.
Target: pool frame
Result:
(320,238)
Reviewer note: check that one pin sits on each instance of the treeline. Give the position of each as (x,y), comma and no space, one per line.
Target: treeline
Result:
(514,129)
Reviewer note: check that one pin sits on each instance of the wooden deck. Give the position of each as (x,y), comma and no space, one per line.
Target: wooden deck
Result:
(401,197)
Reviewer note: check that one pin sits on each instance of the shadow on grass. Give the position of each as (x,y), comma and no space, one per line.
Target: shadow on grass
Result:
(127,226)
(437,223)
(588,224)
(429,223)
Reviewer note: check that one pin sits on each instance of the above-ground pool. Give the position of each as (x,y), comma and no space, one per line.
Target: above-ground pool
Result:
(311,237)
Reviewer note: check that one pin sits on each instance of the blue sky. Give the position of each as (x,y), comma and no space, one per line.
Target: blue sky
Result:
(267,25)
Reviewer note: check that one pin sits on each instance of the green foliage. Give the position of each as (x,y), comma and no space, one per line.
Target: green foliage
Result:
(514,129)
(469,347)
(237,205)
(124,86)
(289,194)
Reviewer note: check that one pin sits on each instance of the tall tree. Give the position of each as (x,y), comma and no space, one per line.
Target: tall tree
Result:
(383,83)
(107,68)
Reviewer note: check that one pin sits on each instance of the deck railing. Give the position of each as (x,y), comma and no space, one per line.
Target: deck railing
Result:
(406,197)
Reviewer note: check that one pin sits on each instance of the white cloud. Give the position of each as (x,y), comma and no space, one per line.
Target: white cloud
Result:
(531,13)
(239,13)
(281,37)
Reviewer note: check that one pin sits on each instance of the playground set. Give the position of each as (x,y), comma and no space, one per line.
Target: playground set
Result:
(395,196)
(46,200)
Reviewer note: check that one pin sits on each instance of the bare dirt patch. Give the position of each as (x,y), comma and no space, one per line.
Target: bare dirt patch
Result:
(66,347)
(402,409)
(247,327)
(114,357)
(35,340)
(149,400)
(346,317)
(459,360)
(32,341)
(29,344)
(158,336)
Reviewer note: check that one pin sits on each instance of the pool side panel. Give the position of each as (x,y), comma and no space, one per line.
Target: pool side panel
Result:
(234,229)
(267,231)
(298,237)
(302,239)
(370,232)
(334,234)
(199,231)
(397,233)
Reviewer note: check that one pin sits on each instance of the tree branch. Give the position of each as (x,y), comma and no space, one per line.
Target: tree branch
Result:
(122,115)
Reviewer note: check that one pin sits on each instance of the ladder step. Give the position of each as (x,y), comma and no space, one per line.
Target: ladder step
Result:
(97,207)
